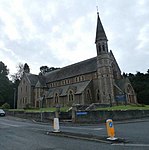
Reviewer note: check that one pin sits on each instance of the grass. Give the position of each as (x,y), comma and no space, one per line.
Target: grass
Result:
(65,109)
(50,109)
(127,107)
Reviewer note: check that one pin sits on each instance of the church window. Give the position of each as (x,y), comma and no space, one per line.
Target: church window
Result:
(98,96)
(99,48)
(83,78)
(71,96)
(88,95)
(76,79)
(103,47)
(56,98)
(79,79)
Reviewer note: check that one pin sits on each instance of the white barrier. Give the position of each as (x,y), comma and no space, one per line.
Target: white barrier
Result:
(56,125)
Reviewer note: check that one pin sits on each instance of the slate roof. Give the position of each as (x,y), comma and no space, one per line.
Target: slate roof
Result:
(33,79)
(83,67)
(100,33)
(62,91)
(121,83)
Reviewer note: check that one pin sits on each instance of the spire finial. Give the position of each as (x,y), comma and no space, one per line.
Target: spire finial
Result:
(97,10)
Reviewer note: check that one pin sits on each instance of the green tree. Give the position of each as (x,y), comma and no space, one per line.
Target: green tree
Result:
(16,78)
(6,86)
(18,75)
(45,69)
(140,82)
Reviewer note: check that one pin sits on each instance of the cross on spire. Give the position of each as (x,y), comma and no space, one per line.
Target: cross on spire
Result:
(97,10)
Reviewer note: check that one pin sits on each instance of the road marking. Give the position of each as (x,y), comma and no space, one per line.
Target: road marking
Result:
(131,145)
(80,128)
(97,129)
(11,125)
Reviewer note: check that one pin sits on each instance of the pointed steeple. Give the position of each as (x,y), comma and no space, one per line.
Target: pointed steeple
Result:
(100,33)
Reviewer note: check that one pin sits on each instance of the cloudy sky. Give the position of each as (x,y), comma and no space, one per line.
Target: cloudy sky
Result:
(62,32)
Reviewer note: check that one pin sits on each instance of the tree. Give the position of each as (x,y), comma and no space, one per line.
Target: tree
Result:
(18,75)
(16,78)
(45,69)
(26,68)
(3,69)
(140,82)
(6,86)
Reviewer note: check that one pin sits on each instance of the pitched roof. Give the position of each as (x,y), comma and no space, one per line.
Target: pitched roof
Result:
(83,67)
(121,83)
(62,91)
(33,79)
(100,33)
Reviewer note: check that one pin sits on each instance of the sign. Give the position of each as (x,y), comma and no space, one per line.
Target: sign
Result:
(110,124)
(120,98)
(110,128)
(81,113)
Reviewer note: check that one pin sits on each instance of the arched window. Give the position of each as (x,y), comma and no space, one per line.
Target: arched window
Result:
(89,95)
(103,47)
(71,96)
(98,96)
(130,94)
(56,99)
(99,48)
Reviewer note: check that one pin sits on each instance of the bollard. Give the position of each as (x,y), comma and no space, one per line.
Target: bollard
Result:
(56,125)
(110,129)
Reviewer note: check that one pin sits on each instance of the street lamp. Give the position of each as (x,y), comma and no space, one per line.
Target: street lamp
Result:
(14,98)
(41,105)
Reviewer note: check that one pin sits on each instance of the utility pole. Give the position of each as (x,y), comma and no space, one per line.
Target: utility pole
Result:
(14,99)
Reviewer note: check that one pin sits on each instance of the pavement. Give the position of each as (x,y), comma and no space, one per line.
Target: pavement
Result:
(88,137)
(92,137)
(83,136)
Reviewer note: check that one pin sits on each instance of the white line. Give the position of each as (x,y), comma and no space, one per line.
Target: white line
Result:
(80,128)
(131,145)
(97,129)
(11,125)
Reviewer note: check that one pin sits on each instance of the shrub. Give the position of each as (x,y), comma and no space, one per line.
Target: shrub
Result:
(6,106)
(28,106)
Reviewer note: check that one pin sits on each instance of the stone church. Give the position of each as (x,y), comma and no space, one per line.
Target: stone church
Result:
(95,80)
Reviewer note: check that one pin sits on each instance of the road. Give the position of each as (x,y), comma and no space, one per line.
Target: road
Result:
(20,134)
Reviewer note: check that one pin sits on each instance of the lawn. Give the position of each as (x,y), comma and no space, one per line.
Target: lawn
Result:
(127,107)
(50,109)
(65,109)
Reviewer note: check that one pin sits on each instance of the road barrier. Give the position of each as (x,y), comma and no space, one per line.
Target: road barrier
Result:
(110,129)
(56,125)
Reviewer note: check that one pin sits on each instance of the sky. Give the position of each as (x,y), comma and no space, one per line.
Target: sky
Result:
(57,33)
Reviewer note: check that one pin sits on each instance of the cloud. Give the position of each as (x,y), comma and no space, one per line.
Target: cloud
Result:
(62,32)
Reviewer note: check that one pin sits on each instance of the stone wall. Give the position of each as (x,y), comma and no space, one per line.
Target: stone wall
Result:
(84,116)
(33,115)
(102,116)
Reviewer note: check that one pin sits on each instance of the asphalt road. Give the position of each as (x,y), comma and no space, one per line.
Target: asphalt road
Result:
(20,134)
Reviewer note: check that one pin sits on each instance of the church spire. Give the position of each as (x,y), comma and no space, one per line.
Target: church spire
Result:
(100,33)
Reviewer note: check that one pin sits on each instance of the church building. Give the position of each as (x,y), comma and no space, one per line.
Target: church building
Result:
(95,80)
